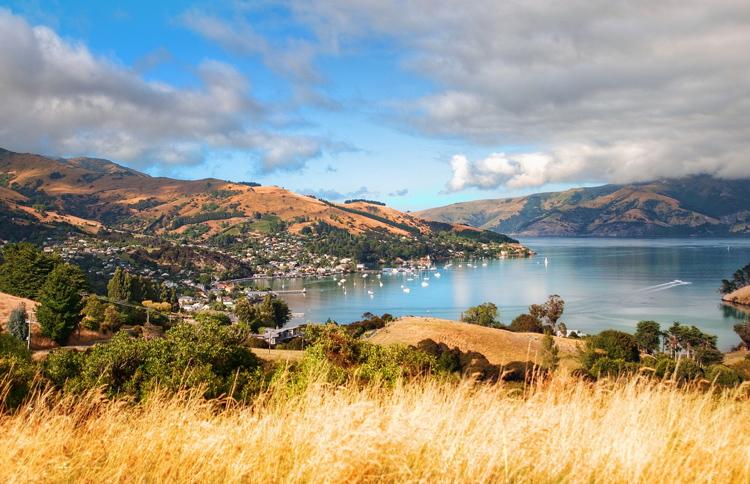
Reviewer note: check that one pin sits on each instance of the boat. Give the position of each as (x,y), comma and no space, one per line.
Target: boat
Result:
(437,274)
(425,283)
(407,290)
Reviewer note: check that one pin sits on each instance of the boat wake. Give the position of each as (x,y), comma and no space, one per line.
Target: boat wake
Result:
(663,287)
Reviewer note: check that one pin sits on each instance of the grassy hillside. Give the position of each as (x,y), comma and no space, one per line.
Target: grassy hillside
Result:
(40,191)
(559,431)
(499,346)
(692,206)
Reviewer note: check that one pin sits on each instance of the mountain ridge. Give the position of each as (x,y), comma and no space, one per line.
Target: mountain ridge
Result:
(698,205)
(90,193)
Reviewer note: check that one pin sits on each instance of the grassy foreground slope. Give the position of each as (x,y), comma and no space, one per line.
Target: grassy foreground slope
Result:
(561,431)
(500,347)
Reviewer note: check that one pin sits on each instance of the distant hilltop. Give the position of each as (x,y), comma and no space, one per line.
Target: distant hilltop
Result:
(696,206)
(40,193)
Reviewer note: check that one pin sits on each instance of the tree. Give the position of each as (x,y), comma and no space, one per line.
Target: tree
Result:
(93,312)
(526,323)
(60,302)
(18,325)
(484,315)
(648,336)
(550,312)
(24,269)
(612,344)
(550,353)
(112,319)
(692,343)
(213,317)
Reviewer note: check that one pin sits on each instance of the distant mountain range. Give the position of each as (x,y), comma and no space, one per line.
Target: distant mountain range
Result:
(39,194)
(693,206)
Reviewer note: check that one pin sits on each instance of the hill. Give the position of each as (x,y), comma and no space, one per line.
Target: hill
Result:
(499,346)
(45,193)
(693,206)
(741,296)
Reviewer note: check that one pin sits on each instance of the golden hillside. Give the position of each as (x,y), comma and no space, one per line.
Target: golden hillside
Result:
(89,193)
(499,346)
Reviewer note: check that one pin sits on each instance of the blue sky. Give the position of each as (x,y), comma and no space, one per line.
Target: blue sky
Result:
(414,103)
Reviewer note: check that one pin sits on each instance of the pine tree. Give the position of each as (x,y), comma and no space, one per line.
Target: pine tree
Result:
(116,286)
(24,269)
(18,322)
(60,302)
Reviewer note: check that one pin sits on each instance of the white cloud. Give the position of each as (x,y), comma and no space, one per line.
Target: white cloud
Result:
(602,91)
(59,98)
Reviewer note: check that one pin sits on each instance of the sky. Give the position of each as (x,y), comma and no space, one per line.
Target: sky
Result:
(414,103)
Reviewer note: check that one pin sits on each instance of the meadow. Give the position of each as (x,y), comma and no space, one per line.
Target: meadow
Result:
(426,430)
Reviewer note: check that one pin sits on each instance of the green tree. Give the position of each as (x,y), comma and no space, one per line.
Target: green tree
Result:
(18,325)
(485,314)
(93,312)
(550,353)
(612,344)
(526,323)
(112,319)
(648,336)
(550,312)
(24,269)
(60,302)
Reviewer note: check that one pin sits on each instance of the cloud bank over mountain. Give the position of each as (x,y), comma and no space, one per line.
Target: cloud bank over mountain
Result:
(615,91)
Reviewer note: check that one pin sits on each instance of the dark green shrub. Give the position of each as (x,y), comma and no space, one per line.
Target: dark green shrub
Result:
(16,371)
(526,323)
(612,368)
(216,317)
(62,366)
(612,344)
(722,376)
(297,343)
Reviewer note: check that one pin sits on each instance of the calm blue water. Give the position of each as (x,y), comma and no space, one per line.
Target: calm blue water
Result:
(606,284)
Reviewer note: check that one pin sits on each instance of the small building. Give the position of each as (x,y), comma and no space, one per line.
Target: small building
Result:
(274,336)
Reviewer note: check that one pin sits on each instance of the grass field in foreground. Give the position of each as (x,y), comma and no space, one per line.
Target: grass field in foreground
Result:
(560,431)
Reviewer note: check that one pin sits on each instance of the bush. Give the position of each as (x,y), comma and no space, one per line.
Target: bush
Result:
(18,323)
(254,342)
(526,323)
(213,317)
(722,376)
(208,356)
(16,371)
(297,343)
(62,366)
(612,368)
(611,344)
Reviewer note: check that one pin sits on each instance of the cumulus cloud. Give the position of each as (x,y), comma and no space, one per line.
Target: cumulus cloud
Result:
(293,59)
(330,194)
(59,98)
(613,91)
(399,193)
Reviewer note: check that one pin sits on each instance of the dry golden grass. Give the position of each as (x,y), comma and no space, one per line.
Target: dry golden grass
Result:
(741,296)
(499,346)
(561,431)
(8,303)
(278,355)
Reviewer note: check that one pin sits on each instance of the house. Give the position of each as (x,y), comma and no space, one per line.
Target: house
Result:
(274,336)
